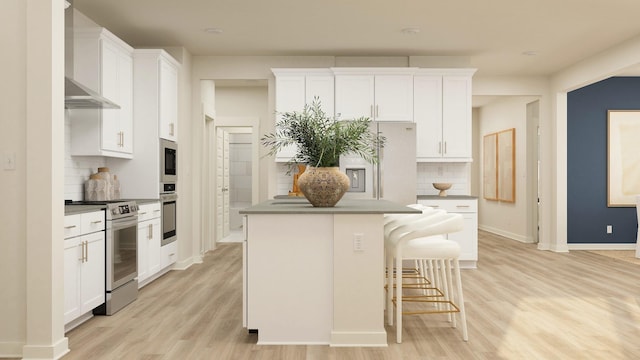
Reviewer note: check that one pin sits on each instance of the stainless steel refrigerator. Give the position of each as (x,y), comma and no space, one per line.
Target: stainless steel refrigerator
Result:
(394,177)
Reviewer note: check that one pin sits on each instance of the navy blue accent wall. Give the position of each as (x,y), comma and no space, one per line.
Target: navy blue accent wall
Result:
(587,211)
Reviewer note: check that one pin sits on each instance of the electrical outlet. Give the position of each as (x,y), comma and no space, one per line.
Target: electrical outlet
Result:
(358,240)
(609,229)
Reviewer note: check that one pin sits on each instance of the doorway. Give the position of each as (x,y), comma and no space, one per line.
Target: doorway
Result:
(234,179)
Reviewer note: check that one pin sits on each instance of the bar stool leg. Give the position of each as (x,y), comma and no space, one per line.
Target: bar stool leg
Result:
(463,316)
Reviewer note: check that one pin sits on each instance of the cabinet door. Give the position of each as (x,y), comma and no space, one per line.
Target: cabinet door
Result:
(321,86)
(143,251)
(427,92)
(290,96)
(92,291)
(168,101)
(393,98)
(153,248)
(110,89)
(72,261)
(125,100)
(456,116)
(467,238)
(354,96)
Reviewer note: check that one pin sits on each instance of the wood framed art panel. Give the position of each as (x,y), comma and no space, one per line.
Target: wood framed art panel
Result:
(490,166)
(623,157)
(507,165)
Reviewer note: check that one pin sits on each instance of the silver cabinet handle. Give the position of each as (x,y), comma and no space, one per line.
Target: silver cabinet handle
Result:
(462,206)
(377,111)
(69,227)
(171,126)
(97,222)
(150,232)
(86,251)
(445,147)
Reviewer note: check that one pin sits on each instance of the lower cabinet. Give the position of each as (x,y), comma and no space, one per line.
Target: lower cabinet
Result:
(84,269)
(169,254)
(149,238)
(468,237)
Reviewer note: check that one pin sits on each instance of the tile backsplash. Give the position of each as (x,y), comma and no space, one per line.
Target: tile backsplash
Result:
(458,174)
(77,168)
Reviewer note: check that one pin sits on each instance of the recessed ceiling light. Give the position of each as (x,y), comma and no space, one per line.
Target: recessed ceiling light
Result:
(529,53)
(410,31)
(213,30)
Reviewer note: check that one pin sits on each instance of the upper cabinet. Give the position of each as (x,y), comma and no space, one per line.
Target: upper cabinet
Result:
(104,63)
(381,94)
(168,84)
(296,88)
(156,92)
(442,112)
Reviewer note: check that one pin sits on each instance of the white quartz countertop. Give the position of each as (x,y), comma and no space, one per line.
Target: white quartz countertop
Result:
(344,206)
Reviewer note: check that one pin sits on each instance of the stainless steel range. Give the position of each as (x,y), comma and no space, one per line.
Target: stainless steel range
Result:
(121,281)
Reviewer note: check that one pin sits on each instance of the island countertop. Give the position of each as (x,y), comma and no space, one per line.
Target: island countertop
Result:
(344,206)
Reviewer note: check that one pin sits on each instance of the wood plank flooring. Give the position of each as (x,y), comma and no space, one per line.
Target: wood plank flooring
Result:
(521,304)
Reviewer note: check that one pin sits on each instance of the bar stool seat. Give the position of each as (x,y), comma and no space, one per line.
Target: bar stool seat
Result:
(422,239)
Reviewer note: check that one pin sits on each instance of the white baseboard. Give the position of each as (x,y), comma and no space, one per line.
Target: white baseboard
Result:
(507,234)
(605,246)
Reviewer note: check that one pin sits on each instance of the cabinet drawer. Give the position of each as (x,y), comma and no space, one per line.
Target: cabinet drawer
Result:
(148,211)
(92,222)
(72,225)
(453,205)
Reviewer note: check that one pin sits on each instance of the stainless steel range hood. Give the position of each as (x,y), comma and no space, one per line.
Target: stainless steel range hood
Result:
(76,95)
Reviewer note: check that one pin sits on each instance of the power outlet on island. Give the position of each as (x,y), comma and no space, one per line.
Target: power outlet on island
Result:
(358,240)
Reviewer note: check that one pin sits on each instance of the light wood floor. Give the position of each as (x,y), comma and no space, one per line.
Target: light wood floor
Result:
(521,304)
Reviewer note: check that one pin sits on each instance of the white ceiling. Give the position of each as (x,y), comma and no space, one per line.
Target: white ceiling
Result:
(493,34)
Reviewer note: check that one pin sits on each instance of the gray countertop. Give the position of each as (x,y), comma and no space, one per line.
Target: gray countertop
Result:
(448,197)
(344,206)
(79,209)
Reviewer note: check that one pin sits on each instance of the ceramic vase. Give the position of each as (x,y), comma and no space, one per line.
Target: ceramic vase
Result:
(323,186)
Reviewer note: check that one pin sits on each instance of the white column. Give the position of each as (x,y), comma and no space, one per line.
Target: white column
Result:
(45,180)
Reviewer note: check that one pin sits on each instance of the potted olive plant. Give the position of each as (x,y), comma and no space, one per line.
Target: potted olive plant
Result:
(320,141)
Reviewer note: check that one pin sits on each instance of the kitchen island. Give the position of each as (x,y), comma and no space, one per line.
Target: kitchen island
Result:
(316,275)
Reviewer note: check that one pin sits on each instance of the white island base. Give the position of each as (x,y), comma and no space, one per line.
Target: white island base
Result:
(316,275)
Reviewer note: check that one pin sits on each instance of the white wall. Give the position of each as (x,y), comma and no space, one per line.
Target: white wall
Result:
(507,219)
(13,183)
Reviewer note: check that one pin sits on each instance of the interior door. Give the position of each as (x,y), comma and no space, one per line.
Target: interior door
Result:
(222,183)
(219,183)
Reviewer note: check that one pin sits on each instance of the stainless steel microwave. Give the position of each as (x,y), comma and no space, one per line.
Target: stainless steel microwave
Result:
(168,165)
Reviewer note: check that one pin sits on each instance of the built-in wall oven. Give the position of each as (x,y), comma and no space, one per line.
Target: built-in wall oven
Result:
(169,213)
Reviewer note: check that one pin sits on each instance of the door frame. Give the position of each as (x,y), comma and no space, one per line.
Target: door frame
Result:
(228,122)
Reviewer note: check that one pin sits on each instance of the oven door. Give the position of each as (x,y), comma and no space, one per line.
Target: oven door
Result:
(122,252)
(169,212)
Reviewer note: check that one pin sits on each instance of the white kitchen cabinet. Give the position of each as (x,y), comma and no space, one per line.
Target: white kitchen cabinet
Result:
(442,112)
(149,238)
(156,91)
(104,63)
(379,94)
(468,237)
(84,264)
(168,254)
(168,84)
(142,173)
(296,88)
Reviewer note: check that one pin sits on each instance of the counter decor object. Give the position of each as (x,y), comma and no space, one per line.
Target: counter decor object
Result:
(295,190)
(320,141)
(443,187)
(102,186)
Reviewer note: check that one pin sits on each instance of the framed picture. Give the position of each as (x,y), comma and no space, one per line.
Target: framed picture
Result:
(506,165)
(499,166)
(490,168)
(623,157)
